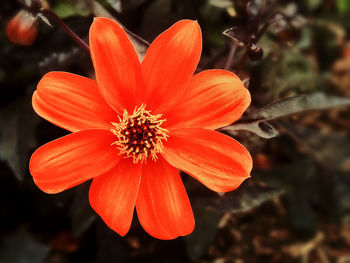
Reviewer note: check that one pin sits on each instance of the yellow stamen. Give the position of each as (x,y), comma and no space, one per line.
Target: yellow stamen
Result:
(140,135)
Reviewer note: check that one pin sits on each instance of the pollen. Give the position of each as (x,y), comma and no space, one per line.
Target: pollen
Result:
(140,135)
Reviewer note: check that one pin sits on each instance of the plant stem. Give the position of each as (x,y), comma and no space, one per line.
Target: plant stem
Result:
(261,32)
(229,60)
(242,61)
(67,29)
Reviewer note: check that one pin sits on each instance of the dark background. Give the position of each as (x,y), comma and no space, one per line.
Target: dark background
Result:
(296,206)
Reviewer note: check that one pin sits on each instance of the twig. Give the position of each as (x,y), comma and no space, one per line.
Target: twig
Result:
(67,29)
(261,32)
(304,249)
(145,42)
(322,255)
(242,61)
(233,49)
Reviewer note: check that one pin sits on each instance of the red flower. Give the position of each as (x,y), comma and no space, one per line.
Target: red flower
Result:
(135,125)
(22,28)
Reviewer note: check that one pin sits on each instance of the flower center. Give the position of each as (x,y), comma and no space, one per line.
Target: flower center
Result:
(140,134)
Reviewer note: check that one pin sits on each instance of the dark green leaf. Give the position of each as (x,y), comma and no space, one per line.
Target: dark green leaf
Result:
(204,232)
(297,104)
(343,6)
(21,247)
(246,197)
(69,8)
(262,129)
(238,35)
(81,212)
(328,149)
(111,247)
(17,134)
(65,9)
(298,181)
(256,121)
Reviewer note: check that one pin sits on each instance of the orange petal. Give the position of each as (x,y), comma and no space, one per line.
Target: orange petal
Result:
(216,160)
(73,159)
(170,63)
(117,67)
(213,99)
(72,102)
(162,205)
(113,195)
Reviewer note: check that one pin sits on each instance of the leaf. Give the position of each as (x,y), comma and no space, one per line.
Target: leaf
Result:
(341,198)
(298,104)
(110,246)
(204,232)
(298,181)
(256,121)
(21,247)
(331,150)
(64,9)
(247,197)
(61,60)
(343,6)
(83,8)
(260,128)
(238,35)
(286,71)
(80,211)
(17,134)
(45,19)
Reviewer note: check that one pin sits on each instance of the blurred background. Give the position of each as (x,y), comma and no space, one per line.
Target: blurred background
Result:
(294,56)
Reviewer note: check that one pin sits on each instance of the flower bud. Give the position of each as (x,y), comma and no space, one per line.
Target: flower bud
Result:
(36,6)
(255,53)
(22,28)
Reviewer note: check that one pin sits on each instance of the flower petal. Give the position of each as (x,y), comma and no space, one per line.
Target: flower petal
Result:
(170,63)
(162,205)
(117,68)
(73,159)
(213,99)
(72,102)
(113,195)
(216,160)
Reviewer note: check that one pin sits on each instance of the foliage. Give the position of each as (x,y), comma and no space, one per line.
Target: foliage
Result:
(296,205)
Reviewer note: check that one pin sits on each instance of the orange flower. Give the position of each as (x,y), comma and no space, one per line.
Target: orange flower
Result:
(22,28)
(139,123)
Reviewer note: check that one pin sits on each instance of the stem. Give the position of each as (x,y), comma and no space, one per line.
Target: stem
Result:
(242,61)
(145,42)
(67,29)
(257,38)
(261,32)
(230,55)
